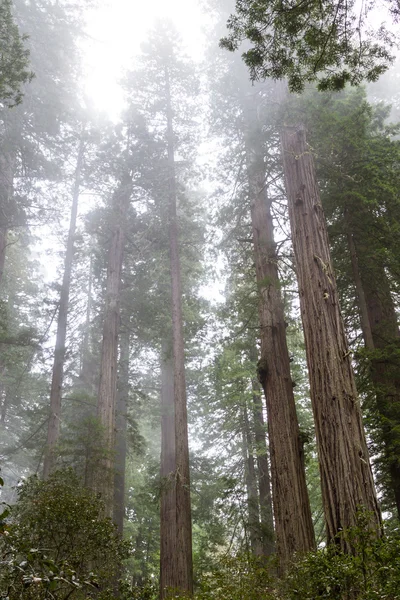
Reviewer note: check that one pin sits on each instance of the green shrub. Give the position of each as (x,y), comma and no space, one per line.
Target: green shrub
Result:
(243,577)
(372,572)
(57,543)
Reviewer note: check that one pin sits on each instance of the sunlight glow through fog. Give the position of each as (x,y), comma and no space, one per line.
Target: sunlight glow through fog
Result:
(116,28)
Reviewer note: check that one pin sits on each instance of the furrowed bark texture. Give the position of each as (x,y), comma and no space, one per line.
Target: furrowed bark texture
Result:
(381,336)
(121,432)
(106,401)
(346,477)
(168,467)
(293,523)
(264,481)
(53,428)
(183,558)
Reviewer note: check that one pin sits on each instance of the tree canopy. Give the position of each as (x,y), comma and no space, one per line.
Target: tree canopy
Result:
(331,43)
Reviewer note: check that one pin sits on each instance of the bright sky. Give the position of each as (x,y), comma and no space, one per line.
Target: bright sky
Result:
(116,28)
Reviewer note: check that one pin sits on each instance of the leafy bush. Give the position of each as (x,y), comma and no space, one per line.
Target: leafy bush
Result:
(58,544)
(372,572)
(243,577)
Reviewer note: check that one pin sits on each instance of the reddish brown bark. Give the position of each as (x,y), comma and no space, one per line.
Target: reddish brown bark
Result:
(183,562)
(53,429)
(293,522)
(346,477)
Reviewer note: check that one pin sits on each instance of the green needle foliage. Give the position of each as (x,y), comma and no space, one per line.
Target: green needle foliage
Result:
(57,544)
(14,59)
(309,40)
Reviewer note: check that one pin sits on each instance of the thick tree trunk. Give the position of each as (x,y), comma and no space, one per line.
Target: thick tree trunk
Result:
(183,558)
(254,525)
(121,432)
(381,336)
(168,467)
(293,522)
(346,476)
(53,429)
(106,400)
(264,481)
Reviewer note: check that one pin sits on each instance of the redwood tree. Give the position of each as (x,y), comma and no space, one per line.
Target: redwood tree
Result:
(53,429)
(293,523)
(183,563)
(163,88)
(107,395)
(346,477)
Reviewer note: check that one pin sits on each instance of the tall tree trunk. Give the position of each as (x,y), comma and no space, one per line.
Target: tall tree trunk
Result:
(264,481)
(362,301)
(106,400)
(7,166)
(346,477)
(183,558)
(293,522)
(168,468)
(381,336)
(86,374)
(254,525)
(3,246)
(121,432)
(53,429)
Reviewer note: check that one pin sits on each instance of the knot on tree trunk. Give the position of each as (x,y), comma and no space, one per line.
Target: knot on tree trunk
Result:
(262,371)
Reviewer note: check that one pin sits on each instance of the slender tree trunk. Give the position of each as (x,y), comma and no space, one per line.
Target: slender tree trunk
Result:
(3,246)
(4,405)
(183,559)
(385,374)
(7,166)
(168,468)
(346,477)
(264,481)
(53,429)
(86,368)
(362,302)
(106,400)
(121,431)
(293,522)
(254,525)
(381,336)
